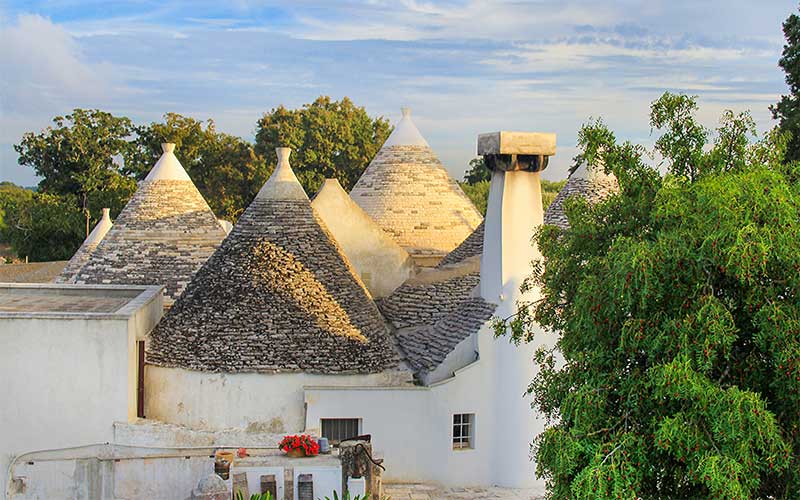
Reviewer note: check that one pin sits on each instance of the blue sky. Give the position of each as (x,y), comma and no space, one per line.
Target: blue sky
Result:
(464,67)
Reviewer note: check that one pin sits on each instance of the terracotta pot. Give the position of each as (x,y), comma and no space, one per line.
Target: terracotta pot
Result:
(296,453)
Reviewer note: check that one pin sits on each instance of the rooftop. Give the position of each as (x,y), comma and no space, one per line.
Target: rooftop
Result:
(81,301)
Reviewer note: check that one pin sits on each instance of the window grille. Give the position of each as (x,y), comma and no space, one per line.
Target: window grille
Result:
(338,429)
(463,431)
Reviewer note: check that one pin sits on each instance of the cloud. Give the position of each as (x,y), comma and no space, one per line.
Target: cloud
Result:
(465,66)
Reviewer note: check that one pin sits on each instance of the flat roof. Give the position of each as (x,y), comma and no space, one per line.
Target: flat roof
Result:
(19,300)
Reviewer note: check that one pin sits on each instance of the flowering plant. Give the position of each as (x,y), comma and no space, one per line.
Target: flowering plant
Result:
(303,442)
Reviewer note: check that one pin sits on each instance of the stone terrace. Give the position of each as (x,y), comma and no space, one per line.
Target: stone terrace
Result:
(397,491)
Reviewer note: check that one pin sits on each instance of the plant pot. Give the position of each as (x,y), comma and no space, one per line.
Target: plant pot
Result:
(296,453)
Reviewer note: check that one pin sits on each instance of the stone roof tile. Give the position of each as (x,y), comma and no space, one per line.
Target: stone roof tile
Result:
(426,347)
(412,197)
(592,184)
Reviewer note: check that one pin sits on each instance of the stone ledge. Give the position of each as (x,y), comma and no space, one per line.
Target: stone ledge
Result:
(517,143)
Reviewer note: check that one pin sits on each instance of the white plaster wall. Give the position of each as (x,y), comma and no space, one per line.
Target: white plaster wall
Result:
(514,212)
(412,427)
(254,401)
(64,383)
(159,478)
(381,263)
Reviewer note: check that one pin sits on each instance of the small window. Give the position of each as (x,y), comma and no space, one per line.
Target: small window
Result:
(338,429)
(463,431)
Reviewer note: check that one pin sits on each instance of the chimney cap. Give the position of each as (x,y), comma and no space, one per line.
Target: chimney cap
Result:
(517,143)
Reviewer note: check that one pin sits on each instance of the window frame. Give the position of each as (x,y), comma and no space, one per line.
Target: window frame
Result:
(358,420)
(462,421)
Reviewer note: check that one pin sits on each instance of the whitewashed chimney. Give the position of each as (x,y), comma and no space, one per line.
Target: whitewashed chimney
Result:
(513,214)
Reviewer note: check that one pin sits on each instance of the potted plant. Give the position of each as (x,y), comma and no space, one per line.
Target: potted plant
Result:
(299,446)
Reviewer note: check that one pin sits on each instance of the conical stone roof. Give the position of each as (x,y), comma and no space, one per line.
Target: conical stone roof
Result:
(81,256)
(408,192)
(591,183)
(162,236)
(278,295)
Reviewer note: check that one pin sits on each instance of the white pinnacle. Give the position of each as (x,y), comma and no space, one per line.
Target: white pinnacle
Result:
(405,133)
(168,168)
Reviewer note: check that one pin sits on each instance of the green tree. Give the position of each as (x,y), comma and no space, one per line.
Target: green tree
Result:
(77,155)
(43,227)
(677,370)
(478,194)
(477,172)
(787,110)
(329,139)
(225,168)
(11,195)
(550,190)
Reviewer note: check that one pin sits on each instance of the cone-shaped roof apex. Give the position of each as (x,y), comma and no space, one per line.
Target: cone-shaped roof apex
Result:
(162,236)
(100,230)
(168,167)
(405,133)
(82,255)
(282,184)
(408,192)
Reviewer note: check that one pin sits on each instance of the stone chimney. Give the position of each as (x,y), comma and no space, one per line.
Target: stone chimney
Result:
(513,214)
(514,210)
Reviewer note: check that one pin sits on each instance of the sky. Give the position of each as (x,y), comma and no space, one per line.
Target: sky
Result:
(463,66)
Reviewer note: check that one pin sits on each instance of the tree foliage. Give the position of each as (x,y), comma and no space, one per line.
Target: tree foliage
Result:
(77,156)
(42,227)
(477,171)
(329,139)
(787,110)
(677,371)
(90,159)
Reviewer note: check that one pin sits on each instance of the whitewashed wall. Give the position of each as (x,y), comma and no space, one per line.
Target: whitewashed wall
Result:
(255,401)
(66,379)
(412,427)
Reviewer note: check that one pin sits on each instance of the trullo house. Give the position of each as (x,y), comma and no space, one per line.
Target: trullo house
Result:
(162,236)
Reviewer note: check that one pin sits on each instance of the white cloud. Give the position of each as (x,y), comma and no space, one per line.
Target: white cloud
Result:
(44,73)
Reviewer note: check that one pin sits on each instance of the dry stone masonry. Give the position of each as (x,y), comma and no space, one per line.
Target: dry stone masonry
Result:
(426,347)
(471,247)
(162,236)
(592,184)
(89,245)
(426,298)
(412,197)
(278,295)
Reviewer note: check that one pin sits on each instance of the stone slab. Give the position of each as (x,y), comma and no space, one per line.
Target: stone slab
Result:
(519,143)
(415,491)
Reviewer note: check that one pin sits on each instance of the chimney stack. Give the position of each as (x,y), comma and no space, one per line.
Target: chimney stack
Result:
(514,210)
(516,160)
